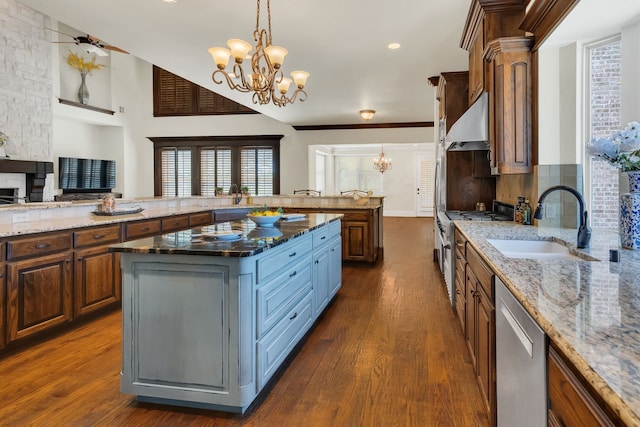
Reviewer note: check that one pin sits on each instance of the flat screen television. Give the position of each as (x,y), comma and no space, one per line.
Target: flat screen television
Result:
(86,175)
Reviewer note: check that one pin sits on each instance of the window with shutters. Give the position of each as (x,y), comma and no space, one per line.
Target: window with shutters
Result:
(175,96)
(176,172)
(200,165)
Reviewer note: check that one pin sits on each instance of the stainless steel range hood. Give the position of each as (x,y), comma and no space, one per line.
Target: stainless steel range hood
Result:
(471,130)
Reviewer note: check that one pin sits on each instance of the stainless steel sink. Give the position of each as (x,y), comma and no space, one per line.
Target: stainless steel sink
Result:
(535,249)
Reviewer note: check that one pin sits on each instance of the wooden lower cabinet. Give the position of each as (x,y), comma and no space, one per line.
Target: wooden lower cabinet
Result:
(361,232)
(39,294)
(3,292)
(476,311)
(570,401)
(97,280)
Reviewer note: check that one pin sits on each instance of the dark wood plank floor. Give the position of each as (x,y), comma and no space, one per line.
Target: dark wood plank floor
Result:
(388,352)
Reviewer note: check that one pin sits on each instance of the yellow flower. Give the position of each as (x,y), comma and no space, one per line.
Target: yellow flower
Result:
(81,64)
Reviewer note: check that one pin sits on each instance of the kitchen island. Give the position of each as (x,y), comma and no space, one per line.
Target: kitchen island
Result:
(589,309)
(207,322)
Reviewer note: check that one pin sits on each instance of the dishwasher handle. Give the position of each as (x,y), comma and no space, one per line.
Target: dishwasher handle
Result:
(524,339)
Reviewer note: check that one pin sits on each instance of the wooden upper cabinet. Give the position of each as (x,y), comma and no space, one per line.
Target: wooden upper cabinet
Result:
(510,106)
(175,96)
(452,96)
(488,20)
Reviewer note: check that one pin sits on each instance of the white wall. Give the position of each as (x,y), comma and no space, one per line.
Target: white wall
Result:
(560,105)
(630,72)
(43,129)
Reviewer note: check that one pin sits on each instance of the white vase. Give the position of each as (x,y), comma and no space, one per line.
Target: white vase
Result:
(630,213)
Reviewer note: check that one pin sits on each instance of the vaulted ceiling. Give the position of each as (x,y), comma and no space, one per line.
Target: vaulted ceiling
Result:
(343,44)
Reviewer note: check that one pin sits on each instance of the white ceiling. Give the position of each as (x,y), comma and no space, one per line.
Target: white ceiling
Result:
(342,43)
(593,20)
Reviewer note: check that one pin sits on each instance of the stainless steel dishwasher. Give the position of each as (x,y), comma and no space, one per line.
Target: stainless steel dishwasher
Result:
(521,364)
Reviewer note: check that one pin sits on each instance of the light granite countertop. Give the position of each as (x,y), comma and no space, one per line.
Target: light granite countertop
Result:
(591,309)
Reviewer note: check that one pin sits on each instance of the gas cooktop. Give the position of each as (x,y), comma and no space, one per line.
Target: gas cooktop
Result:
(501,212)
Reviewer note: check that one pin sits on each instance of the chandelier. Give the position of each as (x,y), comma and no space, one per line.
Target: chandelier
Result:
(265,79)
(382,163)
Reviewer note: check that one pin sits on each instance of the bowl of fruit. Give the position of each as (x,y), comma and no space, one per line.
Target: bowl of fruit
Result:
(265,217)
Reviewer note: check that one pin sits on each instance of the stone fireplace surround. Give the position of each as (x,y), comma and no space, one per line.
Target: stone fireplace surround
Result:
(35,176)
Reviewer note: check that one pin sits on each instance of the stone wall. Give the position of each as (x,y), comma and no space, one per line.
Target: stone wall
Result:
(25,82)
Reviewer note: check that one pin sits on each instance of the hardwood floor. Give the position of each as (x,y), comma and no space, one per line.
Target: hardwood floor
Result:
(388,352)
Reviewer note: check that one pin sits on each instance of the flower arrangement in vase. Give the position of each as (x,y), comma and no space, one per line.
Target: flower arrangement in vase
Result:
(85,66)
(622,150)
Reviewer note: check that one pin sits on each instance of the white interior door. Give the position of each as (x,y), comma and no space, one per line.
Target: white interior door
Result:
(425,183)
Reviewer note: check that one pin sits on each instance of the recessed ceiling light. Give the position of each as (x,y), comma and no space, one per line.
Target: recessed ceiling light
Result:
(393,46)
(169,1)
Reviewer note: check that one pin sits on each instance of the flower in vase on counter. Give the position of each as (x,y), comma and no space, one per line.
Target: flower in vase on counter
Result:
(622,149)
(85,66)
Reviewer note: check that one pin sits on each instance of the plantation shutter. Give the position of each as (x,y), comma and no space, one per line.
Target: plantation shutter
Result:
(176,171)
(257,170)
(215,170)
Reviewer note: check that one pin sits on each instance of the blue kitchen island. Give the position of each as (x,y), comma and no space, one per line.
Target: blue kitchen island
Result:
(209,314)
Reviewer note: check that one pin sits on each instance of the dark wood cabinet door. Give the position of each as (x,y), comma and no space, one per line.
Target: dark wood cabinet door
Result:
(38,294)
(570,403)
(510,108)
(470,317)
(96,283)
(485,357)
(355,241)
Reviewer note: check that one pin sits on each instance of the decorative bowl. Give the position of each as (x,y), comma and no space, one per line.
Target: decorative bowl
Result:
(264,221)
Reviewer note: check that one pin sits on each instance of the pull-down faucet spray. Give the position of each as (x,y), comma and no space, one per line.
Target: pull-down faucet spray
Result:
(584,232)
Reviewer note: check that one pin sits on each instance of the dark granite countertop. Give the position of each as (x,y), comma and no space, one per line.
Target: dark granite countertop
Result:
(252,240)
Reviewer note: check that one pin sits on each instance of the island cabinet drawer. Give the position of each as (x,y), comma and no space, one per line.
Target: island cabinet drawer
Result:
(320,236)
(36,246)
(277,297)
(139,229)
(274,347)
(334,229)
(175,223)
(481,271)
(96,236)
(201,218)
(274,262)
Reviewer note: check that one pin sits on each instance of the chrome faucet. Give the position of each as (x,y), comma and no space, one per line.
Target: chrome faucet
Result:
(237,195)
(584,232)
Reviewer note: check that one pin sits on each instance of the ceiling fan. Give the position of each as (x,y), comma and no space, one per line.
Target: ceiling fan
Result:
(90,44)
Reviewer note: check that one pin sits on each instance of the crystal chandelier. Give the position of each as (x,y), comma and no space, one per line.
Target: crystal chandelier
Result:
(266,79)
(382,163)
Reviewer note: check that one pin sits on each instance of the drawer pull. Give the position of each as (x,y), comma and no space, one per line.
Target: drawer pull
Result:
(292,255)
(98,236)
(144,229)
(323,237)
(294,316)
(293,274)
(42,245)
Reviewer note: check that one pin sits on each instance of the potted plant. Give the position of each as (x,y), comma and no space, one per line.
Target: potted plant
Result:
(245,190)
(219,191)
